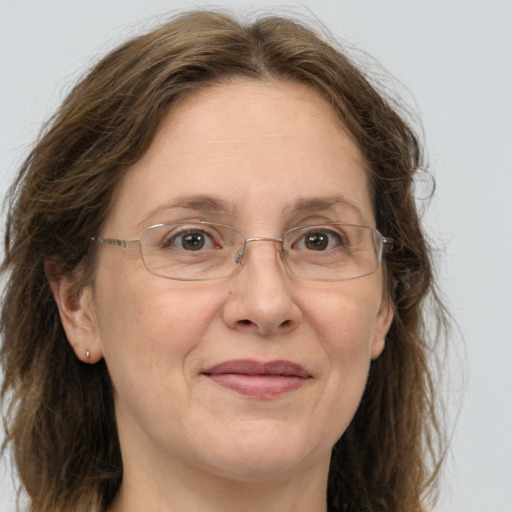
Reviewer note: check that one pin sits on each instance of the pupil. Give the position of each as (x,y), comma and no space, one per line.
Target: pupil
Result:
(316,241)
(193,241)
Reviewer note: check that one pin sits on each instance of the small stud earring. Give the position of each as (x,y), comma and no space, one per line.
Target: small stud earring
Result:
(87,354)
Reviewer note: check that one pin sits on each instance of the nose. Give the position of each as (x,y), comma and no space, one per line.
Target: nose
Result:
(261,299)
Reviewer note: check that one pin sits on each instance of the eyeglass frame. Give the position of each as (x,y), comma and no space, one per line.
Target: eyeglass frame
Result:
(385,245)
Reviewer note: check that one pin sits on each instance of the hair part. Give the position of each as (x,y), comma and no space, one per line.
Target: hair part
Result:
(60,416)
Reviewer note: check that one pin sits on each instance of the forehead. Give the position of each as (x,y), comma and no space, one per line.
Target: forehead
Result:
(247,145)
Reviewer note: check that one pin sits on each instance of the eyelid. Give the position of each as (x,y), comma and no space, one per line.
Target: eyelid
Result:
(185,228)
(171,222)
(317,220)
(181,226)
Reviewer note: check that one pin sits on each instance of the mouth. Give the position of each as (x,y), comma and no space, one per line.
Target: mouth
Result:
(259,379)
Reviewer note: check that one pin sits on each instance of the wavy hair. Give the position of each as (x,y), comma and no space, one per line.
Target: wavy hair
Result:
(59,417)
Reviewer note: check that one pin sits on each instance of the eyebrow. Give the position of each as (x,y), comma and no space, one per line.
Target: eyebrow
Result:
(324,203)
(212,204)
(199,202)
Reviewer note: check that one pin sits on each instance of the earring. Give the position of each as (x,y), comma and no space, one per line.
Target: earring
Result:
(87,354)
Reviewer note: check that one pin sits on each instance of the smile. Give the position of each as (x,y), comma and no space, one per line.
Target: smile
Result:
(257,379)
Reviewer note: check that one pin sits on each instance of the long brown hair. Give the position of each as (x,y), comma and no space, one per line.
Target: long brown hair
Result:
(60,414)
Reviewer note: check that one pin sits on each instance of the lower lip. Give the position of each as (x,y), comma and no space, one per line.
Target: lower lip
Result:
(259,386)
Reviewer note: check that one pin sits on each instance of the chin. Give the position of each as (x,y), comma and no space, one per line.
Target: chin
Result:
(258,457)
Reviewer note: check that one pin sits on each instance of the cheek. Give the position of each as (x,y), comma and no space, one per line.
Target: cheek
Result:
(149,326)
(346,318)
(345,322)
(343,319)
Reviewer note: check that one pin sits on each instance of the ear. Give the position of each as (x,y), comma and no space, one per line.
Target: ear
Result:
(383,323)
(76,310)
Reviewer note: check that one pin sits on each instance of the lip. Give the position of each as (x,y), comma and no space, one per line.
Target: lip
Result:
(258,379)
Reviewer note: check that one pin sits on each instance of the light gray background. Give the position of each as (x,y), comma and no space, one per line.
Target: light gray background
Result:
(454,58)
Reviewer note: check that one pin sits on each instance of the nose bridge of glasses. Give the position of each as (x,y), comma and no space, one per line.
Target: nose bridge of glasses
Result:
(240,255)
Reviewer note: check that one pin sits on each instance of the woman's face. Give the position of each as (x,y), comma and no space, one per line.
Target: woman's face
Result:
(262,158)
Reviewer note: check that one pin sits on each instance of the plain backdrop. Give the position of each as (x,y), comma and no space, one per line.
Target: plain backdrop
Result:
(453,61)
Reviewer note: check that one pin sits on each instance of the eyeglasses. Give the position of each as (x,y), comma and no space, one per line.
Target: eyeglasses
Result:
(200,251)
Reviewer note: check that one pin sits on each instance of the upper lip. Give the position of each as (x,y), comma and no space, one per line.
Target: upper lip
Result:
(252,367)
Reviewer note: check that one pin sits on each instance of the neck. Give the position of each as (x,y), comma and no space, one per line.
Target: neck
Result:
(195,491)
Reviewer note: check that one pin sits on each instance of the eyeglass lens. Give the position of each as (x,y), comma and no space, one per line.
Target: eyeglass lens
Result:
(202,251)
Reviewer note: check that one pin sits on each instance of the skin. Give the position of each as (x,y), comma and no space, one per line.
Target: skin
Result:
(188,443)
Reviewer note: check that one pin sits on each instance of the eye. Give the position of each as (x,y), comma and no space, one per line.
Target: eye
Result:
(319,240)
(190,240)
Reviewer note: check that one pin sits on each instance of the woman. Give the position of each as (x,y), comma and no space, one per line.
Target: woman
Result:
(216,283)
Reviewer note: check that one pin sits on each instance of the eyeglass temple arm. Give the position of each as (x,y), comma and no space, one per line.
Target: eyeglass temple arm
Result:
(125,244)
